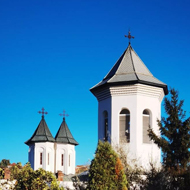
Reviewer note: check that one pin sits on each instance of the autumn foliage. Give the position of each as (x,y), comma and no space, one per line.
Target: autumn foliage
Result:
(106,170)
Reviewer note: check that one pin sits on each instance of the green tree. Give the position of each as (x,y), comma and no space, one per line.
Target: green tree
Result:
(15,170)
(175,134)
(106,171)
(28,179)
(4,163)
(1,173)
(157,179)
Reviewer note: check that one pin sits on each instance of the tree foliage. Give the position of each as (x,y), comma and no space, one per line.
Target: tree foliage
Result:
(106,170)
(4,163)
(28,179)
(163,179)
(175,134)
(1,173)
(157,179)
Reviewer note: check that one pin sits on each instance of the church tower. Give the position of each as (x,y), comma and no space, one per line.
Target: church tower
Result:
(65,149)
(41,147)
(129,102)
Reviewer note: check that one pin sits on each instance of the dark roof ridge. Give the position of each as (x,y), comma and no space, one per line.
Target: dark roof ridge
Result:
(114,66)
(64,135)
(44,127)
(133,62)
(41,134)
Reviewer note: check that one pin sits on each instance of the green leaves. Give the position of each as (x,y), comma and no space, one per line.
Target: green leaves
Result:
(106,171)
(29,179)
(4,163)
(175,133)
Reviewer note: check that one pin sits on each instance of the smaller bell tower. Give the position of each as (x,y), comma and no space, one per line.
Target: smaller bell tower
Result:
(129,102)
(41,147)
(65,149)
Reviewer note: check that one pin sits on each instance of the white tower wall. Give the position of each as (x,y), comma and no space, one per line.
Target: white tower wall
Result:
(67,165)
(47,151)
(136,98)
(104,105)
(31,155)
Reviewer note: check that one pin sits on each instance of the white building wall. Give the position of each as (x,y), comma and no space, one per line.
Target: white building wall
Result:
(44,148)
(104,105)
(31,155)
(148,152)
(50,160)
(69,158)
(130,103)
(135,98)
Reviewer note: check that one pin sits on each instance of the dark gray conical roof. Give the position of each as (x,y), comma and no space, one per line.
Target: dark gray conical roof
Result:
(41,134)
(64,135)
(129,69)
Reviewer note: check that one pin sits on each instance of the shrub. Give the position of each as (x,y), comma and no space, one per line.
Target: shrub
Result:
(106,170)
(29,179)
(1,173)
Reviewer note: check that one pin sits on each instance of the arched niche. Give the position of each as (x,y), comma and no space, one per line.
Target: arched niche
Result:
(146,122)
(124,125)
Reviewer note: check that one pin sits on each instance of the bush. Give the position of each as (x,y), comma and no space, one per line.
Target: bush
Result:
(106,170)
(1,173)
(29,179)
(4,163)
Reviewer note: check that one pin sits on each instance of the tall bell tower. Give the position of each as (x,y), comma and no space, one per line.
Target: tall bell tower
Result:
(129,102)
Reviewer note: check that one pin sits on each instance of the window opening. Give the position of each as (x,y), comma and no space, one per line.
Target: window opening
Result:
(124,124)
(62,159)
(40,158)
(48,158)
(146,125)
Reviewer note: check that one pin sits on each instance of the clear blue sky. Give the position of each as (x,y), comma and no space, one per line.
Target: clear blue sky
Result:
(53,52)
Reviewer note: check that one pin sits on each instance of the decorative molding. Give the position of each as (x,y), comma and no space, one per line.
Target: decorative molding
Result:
(128,90)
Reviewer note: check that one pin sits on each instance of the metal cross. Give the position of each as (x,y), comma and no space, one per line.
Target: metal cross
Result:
(43,112)
(64,114)
(129,36)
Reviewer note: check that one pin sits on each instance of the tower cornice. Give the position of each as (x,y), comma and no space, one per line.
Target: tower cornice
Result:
(130,90)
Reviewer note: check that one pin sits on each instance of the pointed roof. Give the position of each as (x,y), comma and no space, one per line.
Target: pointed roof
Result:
(129,69)
(41,134)
(64,135)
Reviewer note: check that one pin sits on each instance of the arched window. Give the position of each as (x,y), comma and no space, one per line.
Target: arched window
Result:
(48,158)
(105,114)
(69,160)
(124,126)
(41,158)
(146,125)
(49,155)
(62,159)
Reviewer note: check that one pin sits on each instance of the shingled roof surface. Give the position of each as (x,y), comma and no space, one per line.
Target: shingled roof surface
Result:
(64,135)
(129,69)
(41,134)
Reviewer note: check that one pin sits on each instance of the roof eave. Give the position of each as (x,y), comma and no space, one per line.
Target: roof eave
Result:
(93,90)
(29,142)
(62,142)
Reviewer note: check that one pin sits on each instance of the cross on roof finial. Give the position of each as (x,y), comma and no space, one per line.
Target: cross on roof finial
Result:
(64,114)
(129,36)
(43,112)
